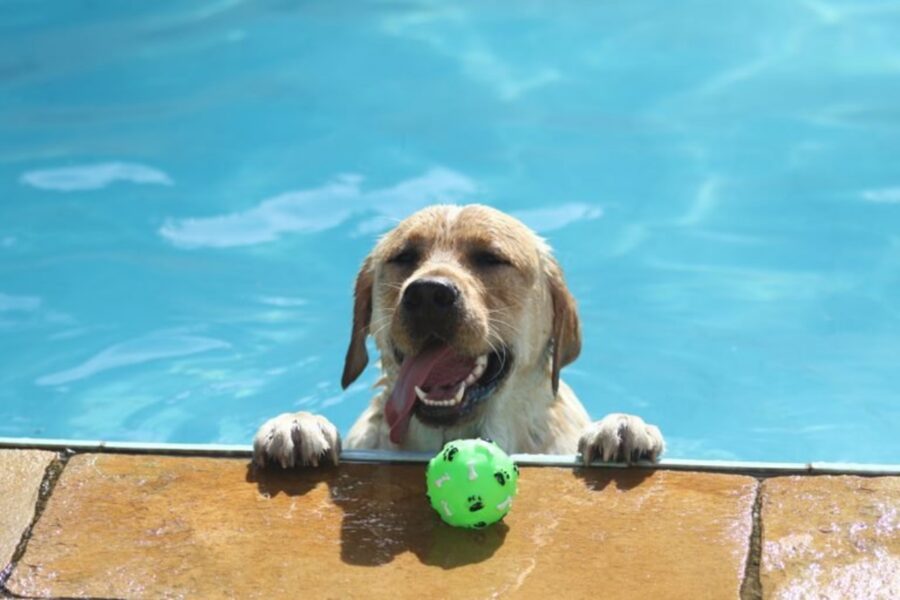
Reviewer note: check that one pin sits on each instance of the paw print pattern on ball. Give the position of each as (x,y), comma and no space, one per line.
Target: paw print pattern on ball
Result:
(450,453)
(471,483)
(501,476)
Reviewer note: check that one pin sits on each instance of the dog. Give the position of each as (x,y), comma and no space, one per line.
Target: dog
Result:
(473,322)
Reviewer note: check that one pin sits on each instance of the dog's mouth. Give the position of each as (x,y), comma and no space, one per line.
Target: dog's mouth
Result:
(442,387)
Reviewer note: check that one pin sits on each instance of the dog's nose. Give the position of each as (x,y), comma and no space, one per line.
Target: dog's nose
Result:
(430,295)
(430,308)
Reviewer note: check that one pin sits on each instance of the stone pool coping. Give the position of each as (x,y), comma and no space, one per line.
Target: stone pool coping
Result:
(111,520)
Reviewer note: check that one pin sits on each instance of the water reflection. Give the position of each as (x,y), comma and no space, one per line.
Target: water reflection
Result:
(447,31)
(318,209)
(9,303)
(889,195)
(133,352)
(93,177)
(551,218)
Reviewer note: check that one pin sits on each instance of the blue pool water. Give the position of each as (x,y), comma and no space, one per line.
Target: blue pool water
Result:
(188,189)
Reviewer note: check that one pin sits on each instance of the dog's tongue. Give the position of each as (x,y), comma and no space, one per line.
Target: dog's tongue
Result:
(436,370)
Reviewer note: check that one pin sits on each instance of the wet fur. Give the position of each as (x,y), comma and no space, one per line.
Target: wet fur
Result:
(524,305)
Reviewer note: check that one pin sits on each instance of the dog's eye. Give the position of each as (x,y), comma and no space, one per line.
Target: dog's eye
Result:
(487,258)
(407,257)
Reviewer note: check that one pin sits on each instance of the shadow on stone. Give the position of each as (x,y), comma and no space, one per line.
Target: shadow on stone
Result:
(385,513)
(291,482)
(623,479)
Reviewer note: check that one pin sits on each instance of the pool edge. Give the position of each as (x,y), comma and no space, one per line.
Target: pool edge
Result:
(392,456)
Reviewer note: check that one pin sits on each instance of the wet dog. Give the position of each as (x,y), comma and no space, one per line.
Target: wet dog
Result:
(473,322)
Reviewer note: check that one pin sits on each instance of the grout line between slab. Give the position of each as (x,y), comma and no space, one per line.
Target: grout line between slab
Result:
(751,586)
(48,484)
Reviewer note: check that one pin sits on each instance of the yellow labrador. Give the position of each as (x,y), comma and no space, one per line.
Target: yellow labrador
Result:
(473,321)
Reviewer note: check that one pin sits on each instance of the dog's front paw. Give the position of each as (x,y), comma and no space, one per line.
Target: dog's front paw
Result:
(296,439)
(621,438)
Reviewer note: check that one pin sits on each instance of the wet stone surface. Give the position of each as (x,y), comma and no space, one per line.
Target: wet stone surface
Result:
(831,537)
(21,473)
(138,526)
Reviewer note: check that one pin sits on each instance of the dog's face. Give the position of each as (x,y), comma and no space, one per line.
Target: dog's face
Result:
(460,300)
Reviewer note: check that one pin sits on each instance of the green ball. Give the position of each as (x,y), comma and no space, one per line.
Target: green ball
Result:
(471,483)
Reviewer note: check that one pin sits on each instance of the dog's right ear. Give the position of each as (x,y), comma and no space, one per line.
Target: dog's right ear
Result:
(357,355)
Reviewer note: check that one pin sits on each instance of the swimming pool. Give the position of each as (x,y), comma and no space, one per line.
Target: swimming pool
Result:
(188,190)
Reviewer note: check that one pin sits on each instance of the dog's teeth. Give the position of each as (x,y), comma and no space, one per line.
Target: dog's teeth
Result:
(478,371)
(459,393)
(448,402)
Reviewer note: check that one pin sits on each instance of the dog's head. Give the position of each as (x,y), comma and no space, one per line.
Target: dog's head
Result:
(459,301)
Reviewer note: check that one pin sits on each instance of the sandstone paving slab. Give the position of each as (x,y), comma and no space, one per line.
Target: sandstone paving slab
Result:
(830,537)
(21,474)
(150,526)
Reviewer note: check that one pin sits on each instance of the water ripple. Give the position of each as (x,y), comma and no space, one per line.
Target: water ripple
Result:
(551,218)
(140,350)
(93,177)
(319,209)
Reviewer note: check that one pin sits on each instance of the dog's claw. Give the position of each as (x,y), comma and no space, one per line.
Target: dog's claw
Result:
(621,438)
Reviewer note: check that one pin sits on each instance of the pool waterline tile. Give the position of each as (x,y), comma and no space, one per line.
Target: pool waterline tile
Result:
(148,526)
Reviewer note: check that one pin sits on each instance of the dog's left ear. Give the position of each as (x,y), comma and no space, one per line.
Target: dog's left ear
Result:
(357,356)
(566,330)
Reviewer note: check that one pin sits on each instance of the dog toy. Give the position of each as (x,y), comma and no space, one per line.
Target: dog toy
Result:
(471,483)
